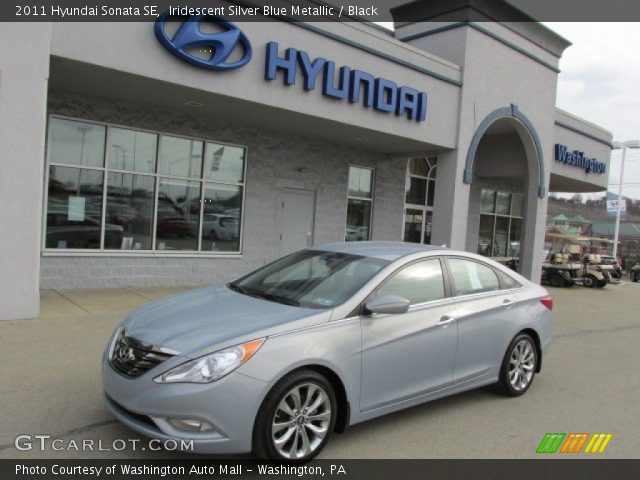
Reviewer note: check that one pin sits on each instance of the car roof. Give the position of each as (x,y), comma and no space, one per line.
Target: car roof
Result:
(384,250)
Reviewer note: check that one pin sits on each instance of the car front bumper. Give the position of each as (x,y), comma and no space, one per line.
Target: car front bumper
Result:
(229,404)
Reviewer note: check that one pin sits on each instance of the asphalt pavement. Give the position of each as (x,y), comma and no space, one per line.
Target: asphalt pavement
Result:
(50,385)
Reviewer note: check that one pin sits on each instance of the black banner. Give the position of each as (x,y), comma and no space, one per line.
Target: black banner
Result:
(583,469)
(398,11)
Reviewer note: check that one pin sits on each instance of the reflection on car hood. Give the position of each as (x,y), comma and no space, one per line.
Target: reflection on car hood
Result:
(196,322)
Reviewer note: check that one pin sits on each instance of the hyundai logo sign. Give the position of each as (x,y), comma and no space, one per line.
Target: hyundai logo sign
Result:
(212,51)
(190,40)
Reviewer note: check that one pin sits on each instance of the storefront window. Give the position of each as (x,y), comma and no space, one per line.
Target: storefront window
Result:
(500,224)
(180,157)
(129,206)
(419,198)
(191,190)
(178,215)
(74,208)
(132,150)
(221,223)
(76,143)
(359,204)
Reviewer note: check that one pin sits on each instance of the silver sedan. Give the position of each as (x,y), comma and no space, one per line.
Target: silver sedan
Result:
(327,337)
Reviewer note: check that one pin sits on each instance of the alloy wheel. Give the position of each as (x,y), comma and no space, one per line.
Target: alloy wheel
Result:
(522,364)
(301,421)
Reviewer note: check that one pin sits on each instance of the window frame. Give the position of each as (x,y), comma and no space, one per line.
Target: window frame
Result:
(448,292)
(351,197)
(157,176)
(432,163)
(496,271)
(495,215)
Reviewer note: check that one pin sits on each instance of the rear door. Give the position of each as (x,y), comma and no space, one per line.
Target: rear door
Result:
(411,354)
(485,317)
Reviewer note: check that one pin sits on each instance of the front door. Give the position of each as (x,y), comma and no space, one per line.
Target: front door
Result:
(298,211)
(412,354)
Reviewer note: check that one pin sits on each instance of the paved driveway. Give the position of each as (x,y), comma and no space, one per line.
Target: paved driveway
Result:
(50,371)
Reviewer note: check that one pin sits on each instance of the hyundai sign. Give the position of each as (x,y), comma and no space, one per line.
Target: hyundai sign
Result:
(579,159)
(219,46)
(213,50)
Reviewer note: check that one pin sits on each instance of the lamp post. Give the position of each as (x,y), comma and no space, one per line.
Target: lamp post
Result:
(623,146)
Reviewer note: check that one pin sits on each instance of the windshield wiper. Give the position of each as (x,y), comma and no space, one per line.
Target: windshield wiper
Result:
(284,300)
(239,289)
(264,296)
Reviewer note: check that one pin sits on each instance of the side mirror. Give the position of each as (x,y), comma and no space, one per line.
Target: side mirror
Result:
(388,304)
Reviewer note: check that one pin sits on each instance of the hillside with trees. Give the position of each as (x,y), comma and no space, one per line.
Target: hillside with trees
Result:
(595,209)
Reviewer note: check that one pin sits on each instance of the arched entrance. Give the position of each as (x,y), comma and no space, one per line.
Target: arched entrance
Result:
(505,170)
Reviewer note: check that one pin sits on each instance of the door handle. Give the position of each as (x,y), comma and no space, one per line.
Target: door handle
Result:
(508,303)
(446,320)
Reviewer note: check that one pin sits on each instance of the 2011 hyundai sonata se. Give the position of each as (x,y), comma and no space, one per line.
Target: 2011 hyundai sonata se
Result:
(327,337)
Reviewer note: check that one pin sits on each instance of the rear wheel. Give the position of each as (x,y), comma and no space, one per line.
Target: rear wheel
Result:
(296,418)
(556,281)
(518,366)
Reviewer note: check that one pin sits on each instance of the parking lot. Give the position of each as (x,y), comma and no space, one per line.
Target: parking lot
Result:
(50,371)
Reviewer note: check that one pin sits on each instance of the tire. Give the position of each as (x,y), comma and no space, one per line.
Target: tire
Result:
(601,283)
(556,281)
(518,366)
(278,408)
(635,277)
(590,281)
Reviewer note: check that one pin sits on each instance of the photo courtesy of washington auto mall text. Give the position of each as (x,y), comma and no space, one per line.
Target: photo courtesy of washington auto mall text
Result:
(193,471)
(350,239)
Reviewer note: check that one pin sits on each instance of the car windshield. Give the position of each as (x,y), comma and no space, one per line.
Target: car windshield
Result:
(310,278)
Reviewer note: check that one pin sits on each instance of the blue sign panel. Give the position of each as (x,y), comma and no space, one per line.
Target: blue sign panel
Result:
(578,159)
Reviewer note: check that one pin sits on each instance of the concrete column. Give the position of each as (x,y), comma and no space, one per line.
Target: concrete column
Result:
(24,71)
(532,246)
(451,202)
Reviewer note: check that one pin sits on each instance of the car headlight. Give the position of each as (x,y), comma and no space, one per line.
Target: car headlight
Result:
(114,338)
(211,367)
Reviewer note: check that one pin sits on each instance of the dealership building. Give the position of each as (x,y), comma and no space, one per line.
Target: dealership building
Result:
(187,153)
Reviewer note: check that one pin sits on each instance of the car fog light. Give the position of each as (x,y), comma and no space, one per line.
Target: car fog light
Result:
(191,424)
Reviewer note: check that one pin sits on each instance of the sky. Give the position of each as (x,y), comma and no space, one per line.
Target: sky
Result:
(600,82)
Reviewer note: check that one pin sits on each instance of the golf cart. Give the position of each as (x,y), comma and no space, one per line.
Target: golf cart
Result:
(559,270)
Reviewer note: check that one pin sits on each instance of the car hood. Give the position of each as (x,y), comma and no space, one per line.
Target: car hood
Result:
(200,321)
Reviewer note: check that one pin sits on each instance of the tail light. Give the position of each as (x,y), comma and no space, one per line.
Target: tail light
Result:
(547,302)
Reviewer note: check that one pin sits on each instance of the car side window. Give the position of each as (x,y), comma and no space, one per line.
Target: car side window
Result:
(419,282)
(472,277)
(507,281)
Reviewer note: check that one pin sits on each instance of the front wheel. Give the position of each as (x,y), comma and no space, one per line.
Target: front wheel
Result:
(296,418)
(518,366)
(590,281)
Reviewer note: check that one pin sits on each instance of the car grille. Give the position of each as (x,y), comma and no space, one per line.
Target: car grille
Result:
(132,358)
